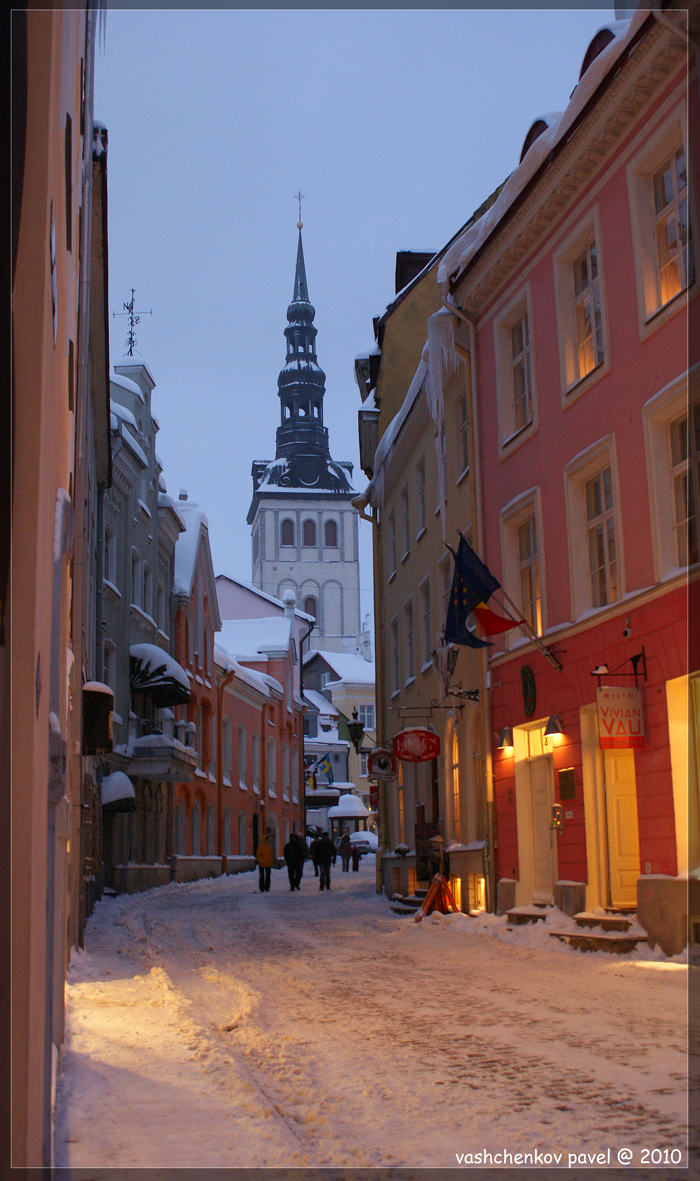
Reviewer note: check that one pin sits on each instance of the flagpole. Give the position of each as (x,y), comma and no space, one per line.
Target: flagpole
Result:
(529,631)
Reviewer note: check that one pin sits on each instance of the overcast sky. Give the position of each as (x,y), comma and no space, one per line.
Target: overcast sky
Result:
(395,125)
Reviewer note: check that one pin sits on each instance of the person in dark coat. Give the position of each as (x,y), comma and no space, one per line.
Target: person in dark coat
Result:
(356,855)
(294,856)
(313,850)
(326,857)
(345,851)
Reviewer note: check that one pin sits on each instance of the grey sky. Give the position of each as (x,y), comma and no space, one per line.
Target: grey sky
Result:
(395,124)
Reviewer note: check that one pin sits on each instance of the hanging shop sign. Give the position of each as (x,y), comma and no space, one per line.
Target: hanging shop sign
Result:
(373,797)
(381,764)
(416,745)
(620,721)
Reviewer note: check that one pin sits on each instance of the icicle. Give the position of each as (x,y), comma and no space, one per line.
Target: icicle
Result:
(443,360)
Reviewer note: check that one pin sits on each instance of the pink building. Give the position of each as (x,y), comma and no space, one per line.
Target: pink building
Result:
(578,284)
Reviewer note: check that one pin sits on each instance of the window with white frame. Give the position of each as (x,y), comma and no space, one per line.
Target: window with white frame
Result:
(242,756)
(226,748)
(365,715)
(521,373)
(684,434)
(580,306)
(522,558)
(515,369)
(108,571)
(595,553)
(445,582)
(657,179)
(674,247)
(394,654)
(602,548)
(363,766)
(285,771)
(426,623)
(409,641)
(213,721)
(420,496)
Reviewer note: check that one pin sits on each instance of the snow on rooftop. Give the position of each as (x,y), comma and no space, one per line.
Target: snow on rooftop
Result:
(253,639)
(127,384)
(321,703)
(347,667)
(187,546)
(123,413)
(463,249)
(249,676)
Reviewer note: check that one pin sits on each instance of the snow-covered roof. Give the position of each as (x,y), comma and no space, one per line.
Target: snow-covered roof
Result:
(348,806)
(263,595)
(187,546)
(347,667)
(157,665)
(463,249)
(321,703)
(123,413)
(263,682)
(255,639)
(127,384)
(165,501)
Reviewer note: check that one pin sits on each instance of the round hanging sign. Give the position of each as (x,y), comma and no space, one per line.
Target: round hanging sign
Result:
(381,764)
(416,745)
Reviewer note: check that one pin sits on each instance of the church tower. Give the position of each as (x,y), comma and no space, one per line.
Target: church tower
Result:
(304,528)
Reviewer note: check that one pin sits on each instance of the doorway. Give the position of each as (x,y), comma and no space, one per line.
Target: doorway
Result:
(541,811)
(622,828)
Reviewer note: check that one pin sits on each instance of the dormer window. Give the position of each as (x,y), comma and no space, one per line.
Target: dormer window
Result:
(602,38)
(534,133)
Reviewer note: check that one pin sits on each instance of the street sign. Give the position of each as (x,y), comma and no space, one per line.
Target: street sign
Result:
(381,764)
(416,745)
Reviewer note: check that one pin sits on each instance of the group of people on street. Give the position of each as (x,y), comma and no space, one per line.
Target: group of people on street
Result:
(349,852)
(322,852)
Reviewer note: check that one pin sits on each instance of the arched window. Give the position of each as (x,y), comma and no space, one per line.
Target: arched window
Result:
(331,534)
(453,754)
(311,607)
(309,533)
(287,533)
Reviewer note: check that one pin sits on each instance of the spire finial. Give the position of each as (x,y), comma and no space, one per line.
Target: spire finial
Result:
(299,197)
(134,319)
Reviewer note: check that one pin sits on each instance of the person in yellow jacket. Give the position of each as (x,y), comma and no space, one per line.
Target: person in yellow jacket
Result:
(265,859)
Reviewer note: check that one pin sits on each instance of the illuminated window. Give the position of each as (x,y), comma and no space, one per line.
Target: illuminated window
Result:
(529,574)
(685,471)
(589,324)
(674,247)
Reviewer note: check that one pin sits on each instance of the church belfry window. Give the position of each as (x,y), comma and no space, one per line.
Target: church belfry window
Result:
(331,534)
(309,535)
(287,532)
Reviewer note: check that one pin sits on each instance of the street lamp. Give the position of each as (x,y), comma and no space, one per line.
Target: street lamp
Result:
(357,731)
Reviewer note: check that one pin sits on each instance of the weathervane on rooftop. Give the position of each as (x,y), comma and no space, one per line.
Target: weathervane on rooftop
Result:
(134,319)
(299,197)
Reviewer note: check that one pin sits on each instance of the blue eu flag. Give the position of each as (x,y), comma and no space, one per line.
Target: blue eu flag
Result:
(472,584)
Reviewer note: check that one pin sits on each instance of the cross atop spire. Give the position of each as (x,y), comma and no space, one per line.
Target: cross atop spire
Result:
(299,198)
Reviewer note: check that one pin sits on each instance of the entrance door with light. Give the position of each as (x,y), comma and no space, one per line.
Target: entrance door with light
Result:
(541,802)
(623,828)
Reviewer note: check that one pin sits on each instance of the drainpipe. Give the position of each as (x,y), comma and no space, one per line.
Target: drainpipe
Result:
(302,777)
(220,767)
(483,673)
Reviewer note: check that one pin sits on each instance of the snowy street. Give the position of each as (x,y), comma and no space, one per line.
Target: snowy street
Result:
(212,1026)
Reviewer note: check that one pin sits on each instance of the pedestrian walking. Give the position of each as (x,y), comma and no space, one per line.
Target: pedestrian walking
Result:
(294,856)
(313,850)
(326,857)
(356,855)
(265,858)
(345,851)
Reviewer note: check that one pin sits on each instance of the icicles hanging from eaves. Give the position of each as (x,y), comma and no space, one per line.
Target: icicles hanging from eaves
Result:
(443,360)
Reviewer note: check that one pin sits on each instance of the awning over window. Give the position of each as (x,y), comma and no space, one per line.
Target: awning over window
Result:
(118,793)
(156,672)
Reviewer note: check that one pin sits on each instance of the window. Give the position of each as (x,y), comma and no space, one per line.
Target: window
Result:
(363,766)
(108,571)
(242,756)
(515,369)
(272,768)
(595,553)
(295,778)
(406,532)
(394,654)
(200,745)
(392,543)
(311,606)
(661,221)
(420,497)
(147,589)
(530,602)
(445,582)
(226,749)
(463,432)
(212,744)
(108,663)
(286,532)
(309,533)
(409,645)
(365,714)
(285,771)
(580,300)
(674,248)
(160,606)
(602,553)
(426,623)
(453,781)
(331,534)
(135,578)
(523,576)
(256,762)
(685,471)
(589,327)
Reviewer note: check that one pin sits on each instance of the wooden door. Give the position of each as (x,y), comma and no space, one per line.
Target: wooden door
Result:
(623,829)
(540,794)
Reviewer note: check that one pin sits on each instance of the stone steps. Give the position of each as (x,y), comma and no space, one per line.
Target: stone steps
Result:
(612,921)
(610,941)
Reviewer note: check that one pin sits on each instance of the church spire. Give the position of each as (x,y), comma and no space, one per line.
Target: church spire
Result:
(301,291)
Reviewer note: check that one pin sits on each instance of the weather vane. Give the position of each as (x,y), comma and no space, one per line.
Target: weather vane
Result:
(134,319)
(299,197)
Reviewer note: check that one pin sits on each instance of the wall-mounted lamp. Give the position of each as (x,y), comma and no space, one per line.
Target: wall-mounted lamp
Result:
(639,658)
(554,727)
(505,739)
